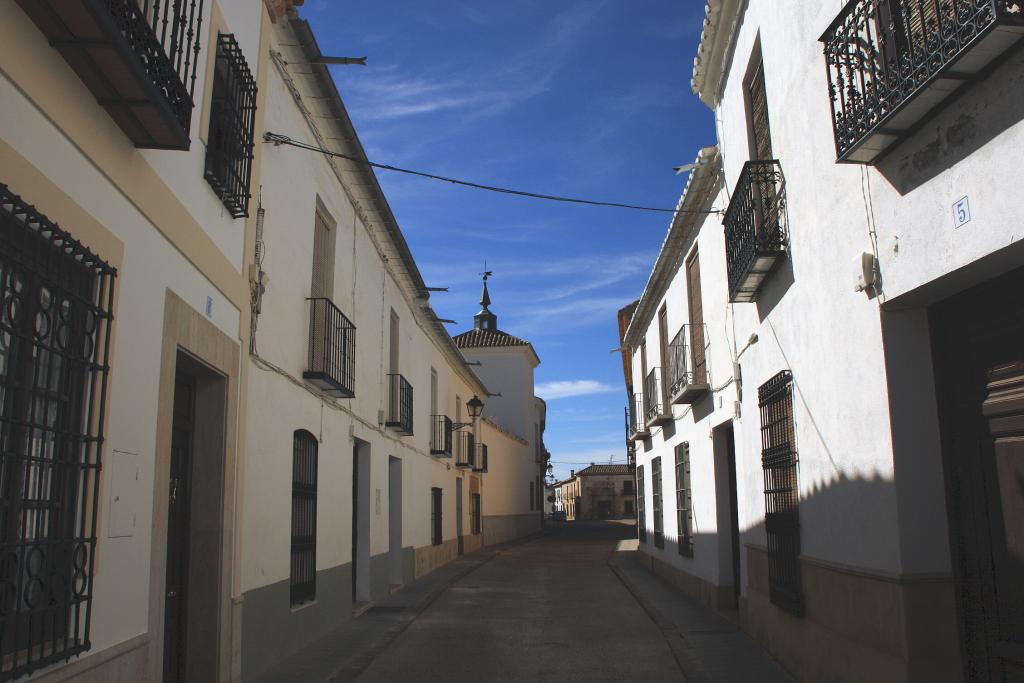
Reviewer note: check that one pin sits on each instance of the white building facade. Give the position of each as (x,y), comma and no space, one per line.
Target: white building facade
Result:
(829,372)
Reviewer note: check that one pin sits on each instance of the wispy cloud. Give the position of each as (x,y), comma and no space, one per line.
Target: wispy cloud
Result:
(550,391)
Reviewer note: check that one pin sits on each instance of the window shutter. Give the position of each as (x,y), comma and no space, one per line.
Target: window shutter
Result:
(697,341)
(759,124)
(323,259)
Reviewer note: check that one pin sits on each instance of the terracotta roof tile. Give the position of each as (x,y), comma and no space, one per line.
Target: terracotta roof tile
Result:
(475,339)
(605,469)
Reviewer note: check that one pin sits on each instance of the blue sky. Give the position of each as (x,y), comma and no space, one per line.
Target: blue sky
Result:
(588,98)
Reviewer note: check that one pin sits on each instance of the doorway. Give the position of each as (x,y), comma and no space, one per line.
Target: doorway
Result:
(395,522)
(978,346)
(727,508)
(360,522)
(194,523)
(458,513)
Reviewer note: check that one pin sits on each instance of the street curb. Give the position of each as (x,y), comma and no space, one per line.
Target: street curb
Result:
(689,665)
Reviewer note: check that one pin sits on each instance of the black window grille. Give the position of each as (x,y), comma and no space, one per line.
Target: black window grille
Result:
(56,299)
(332,349)
(641,505)
(399,405)
(304,473)
(656,503)
(781,495)
(627,488)
(441,435)
(475,511)
(756,228)
(465,454)
(232,125)
(435,516)
(684,500)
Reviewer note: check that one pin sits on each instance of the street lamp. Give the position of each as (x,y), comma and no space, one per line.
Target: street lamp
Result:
(476,408)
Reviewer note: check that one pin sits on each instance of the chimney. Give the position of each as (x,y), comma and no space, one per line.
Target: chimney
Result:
(572,473)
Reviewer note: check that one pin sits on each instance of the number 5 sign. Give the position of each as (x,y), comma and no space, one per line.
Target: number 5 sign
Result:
(961,213)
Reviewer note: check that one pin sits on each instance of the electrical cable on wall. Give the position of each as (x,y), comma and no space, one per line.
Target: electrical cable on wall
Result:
(278,139)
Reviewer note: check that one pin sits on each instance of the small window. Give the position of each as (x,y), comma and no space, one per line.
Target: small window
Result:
(232,126)
(758,122)
(435,516)
(781,495)
(627,488)
(474,511)
(304,475)
(684,500)
(532,498)
(322,286)
(656,503)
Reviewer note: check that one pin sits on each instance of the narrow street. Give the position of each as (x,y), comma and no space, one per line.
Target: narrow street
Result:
(569,605)
(548,609)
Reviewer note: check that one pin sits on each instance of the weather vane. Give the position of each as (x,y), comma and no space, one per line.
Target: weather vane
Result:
(487,273)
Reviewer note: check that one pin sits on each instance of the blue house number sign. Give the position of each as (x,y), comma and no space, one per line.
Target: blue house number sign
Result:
(961,213)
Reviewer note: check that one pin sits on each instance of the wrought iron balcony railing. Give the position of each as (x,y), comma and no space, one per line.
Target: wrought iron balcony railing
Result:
(687,372)
(137,57)
(332,349)
(441,435)
(229,150)
(637,419)
(465,449)
(756,235)
(656,409)
(480,465)
(891,62)
(399,405)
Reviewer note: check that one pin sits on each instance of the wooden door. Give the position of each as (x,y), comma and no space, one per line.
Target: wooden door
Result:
(978,338)
(179,529)
(698,357)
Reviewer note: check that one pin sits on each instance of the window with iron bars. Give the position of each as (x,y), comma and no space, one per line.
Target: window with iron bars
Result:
(781,494)
(684,500)
(232,127)
(474,512)
(641,505)
(304,475)
(55,317)
(656,503)
(435,516)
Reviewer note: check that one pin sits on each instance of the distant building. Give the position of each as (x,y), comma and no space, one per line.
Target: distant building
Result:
(598,492)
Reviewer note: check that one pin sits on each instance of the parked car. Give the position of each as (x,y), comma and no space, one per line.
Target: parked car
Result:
(557,516)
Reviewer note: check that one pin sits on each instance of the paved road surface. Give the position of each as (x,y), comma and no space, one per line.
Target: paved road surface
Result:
(549,609)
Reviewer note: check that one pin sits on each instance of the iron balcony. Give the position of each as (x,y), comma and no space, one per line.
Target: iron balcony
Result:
(399,405)
(638,429)
(465,450)
(137,57)
(441,436)
(332,349)
(890,63)
(480,465)
(685,385)
(756,238)
(656,409)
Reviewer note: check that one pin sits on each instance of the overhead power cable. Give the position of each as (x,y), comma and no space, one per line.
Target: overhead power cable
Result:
(278,139)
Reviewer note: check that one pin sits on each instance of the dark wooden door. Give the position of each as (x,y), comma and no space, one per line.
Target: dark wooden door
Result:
(178,529)
(696,309)
(458,512)
(355,521)
(979,358)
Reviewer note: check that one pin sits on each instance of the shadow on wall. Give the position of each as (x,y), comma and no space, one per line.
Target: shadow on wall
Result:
(847,614)
(967,123)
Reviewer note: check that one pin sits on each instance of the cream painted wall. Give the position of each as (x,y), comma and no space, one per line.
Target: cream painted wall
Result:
(510,470)
(366,292)
(152,264)
(508,371)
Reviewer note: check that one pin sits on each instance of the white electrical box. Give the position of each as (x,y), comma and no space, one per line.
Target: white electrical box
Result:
(123,493)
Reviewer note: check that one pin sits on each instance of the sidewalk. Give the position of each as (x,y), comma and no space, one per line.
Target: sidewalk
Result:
(344,653)
(707,646)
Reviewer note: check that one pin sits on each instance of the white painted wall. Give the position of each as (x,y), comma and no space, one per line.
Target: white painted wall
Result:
(811,321)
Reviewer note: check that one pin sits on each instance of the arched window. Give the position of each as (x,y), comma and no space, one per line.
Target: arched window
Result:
(303,565)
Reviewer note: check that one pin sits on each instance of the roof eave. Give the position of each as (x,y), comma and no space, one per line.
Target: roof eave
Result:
(697,197)
(717,41)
